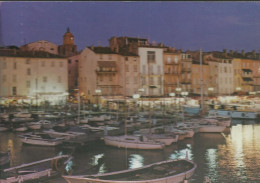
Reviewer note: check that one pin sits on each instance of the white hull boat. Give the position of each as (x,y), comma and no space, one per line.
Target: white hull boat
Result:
(40,140)
(211,128)
(170,171)
(132,142)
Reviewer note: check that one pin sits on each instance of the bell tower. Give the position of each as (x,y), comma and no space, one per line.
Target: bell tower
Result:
(68,48)
(68,38)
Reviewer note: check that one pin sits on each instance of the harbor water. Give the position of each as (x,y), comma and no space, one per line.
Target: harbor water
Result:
(233,156)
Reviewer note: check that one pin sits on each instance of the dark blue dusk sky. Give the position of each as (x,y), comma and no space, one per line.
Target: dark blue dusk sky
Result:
(184,25)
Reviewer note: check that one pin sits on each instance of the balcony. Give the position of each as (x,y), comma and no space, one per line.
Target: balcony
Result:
(186,69)
(186,81)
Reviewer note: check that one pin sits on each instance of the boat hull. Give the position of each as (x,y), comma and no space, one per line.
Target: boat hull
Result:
(40,142)
(211,129)
(177,178)
(238,114)
(121,143)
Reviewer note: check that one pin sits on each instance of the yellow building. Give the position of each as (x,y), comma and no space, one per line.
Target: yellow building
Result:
(172,70)
(247,75)
(34,76)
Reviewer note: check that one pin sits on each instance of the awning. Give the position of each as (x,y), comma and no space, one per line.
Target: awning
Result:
(247,70)
(247,79)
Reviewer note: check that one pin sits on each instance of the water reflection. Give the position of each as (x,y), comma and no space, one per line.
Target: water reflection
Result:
(136,161)
(229,157)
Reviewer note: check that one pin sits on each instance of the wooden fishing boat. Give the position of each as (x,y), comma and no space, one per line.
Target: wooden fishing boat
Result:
(4,158)
(34,171)
(173,171)
(40,139)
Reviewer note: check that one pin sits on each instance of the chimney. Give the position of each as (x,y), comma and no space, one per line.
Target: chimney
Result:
(254,53)
(243,53)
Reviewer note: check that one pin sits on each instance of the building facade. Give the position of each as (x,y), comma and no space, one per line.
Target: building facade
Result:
(151,70)
(34,76)
(172,70)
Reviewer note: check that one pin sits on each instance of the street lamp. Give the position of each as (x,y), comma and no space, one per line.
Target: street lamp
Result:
(97,91)
(141,90)
(172,95)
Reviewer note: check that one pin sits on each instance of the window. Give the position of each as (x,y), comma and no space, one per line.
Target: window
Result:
(69,61)
(44,79)
(14,78)
(127,80)
(126,58)
(144,69)
(4,78)
(43,63)
(151,81)
(52,64)
(135,68)
(27,61)
(135,79)
(101,78)
(101,56)
(151,56)
(110,78)
(14,90)
(135,58)
(110,57)
(28,84)
(59,79)
(159,69)
(61,64)
(159,81)
(127,68)
(14,66)
(28,71)
(4,65)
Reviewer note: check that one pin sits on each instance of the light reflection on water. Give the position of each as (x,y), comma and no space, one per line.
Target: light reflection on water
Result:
(230,157)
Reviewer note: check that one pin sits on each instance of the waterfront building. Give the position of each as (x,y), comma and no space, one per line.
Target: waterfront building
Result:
(172,70)
(33,76)
(256,75)
(247,75)
(41,45)
(68,48)
(73,75)
(151,70)
(185,81)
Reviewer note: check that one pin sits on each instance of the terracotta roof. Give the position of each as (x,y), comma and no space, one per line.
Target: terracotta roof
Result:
(106,63)
(102,50)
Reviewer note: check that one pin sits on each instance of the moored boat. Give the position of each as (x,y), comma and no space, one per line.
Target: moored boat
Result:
(40,139)
(173,171)
(132,142)
(4,158)
(211,128)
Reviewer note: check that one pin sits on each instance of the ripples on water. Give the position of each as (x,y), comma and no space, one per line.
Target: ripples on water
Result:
(229,157)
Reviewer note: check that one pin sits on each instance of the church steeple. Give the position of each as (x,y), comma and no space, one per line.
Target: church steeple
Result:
(68,38)
(68,48)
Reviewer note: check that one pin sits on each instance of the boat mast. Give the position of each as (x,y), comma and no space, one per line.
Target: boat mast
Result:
(201,83)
